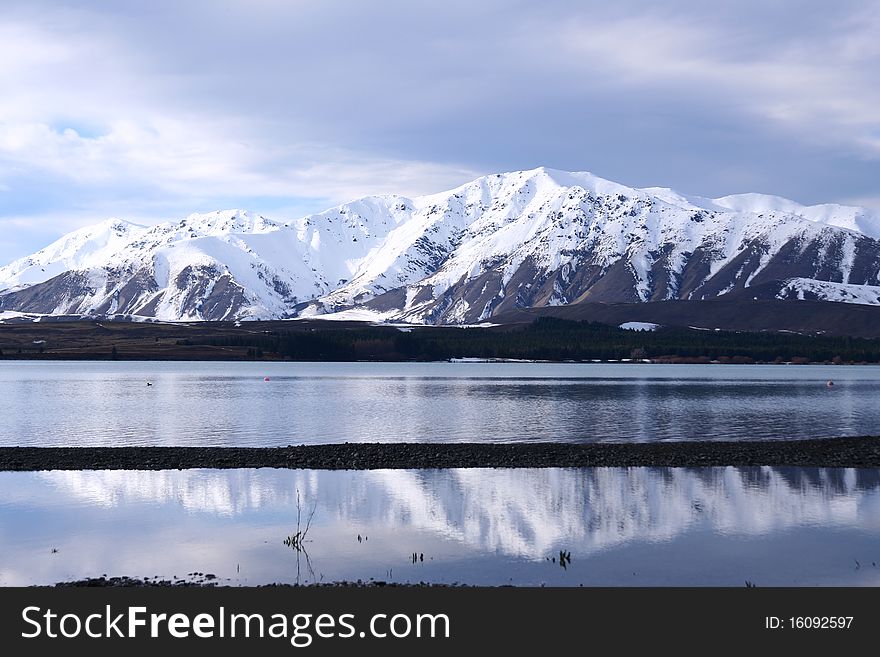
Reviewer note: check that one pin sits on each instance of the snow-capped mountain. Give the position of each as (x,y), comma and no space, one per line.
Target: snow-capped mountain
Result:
(516,240)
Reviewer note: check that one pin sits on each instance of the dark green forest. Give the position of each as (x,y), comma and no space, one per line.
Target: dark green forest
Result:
(544,339)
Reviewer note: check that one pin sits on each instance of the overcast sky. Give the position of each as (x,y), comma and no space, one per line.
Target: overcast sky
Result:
(151,110)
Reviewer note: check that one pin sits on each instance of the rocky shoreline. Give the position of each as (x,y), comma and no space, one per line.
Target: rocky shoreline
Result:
(858,452)
(211,581)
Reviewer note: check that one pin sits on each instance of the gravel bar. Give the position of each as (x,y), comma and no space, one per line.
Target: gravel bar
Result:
(861,452)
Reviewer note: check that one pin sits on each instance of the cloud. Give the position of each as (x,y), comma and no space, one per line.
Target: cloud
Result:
(826,89)
(158,109)
(183,160)
(167,170)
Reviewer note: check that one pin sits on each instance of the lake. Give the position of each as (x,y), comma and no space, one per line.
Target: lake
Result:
(208,403)
(621,526)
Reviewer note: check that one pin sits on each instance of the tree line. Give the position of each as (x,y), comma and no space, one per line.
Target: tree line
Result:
(546,339)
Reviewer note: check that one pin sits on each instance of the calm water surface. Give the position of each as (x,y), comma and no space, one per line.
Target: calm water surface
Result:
(109,403)
(637,526)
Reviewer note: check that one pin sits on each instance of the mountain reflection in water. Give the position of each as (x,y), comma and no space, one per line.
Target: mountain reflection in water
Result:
(461,519)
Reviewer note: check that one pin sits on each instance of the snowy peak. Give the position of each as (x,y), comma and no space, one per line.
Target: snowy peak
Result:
(83,248)
(223,222)
(522,239)
(545,177)
(849,217)
(756,203)
(96,239)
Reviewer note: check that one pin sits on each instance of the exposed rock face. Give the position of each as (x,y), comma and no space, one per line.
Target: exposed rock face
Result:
(529,239)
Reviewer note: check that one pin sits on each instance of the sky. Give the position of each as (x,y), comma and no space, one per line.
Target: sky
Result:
(151,110)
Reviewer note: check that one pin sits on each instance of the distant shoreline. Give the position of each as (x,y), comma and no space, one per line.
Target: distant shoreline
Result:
(543,339)
(55,358)
(859,452)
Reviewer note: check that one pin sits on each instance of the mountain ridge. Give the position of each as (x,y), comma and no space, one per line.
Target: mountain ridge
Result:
(526,239)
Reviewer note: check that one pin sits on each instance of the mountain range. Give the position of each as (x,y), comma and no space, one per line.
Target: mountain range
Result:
(503,243)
